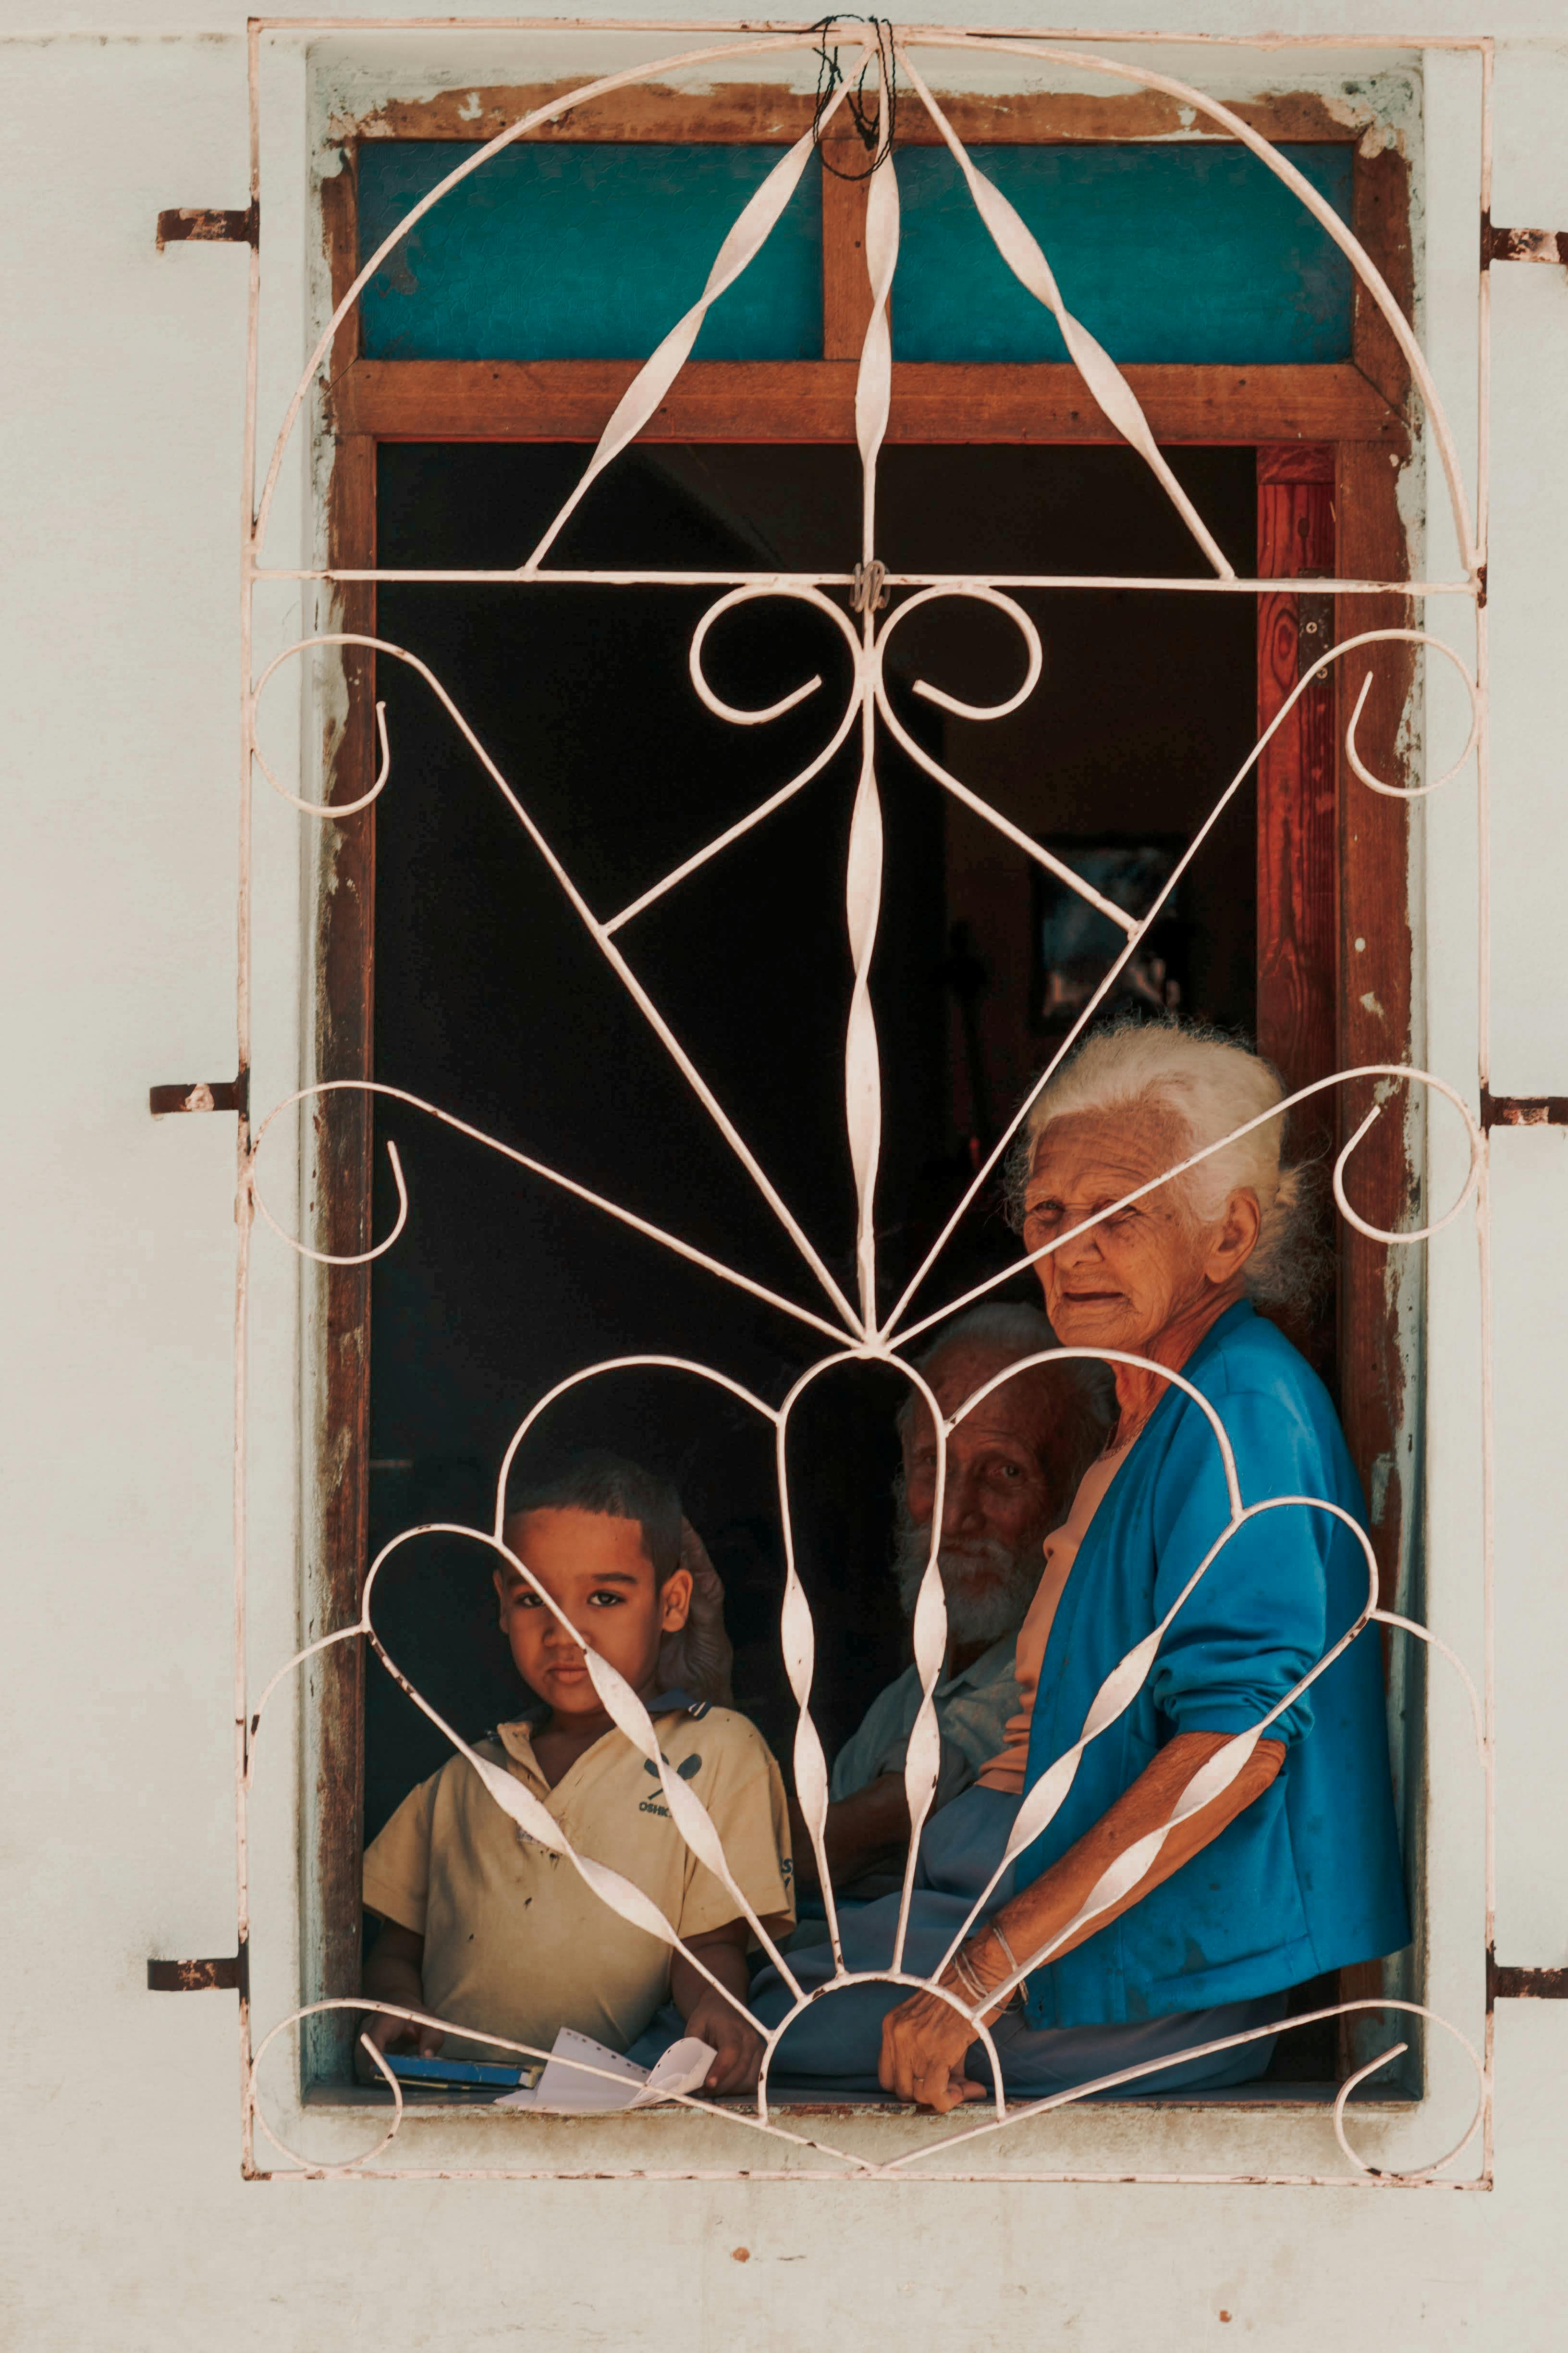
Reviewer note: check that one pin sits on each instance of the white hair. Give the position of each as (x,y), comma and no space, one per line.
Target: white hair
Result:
(1207,1086)
(1015,1329)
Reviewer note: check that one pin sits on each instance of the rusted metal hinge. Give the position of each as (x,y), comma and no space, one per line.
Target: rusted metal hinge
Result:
(200,225)
(201,1094)
(1523,1111)
(1525,1985)
(227,1975)
(1314,632)
(1521,244)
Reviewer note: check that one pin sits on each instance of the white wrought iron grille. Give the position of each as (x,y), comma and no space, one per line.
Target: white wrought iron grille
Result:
(852,1329)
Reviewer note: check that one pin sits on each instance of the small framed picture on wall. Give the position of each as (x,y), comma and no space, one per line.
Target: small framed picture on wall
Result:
(1074,945)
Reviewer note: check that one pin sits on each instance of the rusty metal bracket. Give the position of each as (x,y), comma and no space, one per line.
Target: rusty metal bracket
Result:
(201,1094)
(227,1975)
(1314,632)
(200,225)
(1522,243)
(1525,1985)
(1523,1111)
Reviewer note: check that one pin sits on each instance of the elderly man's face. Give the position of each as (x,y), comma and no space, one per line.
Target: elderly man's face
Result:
(1136,1274)
(1005,1489)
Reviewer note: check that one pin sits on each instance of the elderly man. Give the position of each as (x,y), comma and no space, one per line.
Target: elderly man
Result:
(1229,1830)
(1013,1465)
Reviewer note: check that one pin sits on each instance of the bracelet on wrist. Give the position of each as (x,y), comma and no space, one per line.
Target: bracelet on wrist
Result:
(971,1983)
(964,1967)
(1008,1954)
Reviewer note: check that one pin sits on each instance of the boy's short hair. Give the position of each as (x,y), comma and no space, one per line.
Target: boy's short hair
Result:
(597,1481)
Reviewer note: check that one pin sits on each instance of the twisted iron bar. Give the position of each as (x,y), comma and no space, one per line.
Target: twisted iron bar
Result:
(1039,1806)
(863,1337)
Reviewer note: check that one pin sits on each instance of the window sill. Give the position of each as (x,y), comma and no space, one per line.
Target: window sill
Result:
(1273,2132)
(1252,2098)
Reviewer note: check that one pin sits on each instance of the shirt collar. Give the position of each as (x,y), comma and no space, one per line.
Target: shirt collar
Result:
(1239,1312)
(517,1737)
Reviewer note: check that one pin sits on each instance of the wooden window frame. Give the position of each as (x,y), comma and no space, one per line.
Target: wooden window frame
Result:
(1332,864)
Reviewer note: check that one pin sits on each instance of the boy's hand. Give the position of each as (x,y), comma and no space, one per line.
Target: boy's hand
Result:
(389,2033)
(737,2044)
(393,1974)
(722,1952)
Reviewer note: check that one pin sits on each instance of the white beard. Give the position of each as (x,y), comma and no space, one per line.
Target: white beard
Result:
(987,1586)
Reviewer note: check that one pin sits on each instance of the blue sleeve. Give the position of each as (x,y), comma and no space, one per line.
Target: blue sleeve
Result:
(1257,1618)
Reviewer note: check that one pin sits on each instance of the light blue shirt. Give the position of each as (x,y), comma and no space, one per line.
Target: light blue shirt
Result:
(972,1712)
(1308,1878)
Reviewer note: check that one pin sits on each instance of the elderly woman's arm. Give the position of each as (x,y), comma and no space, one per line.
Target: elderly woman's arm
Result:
(924,2039)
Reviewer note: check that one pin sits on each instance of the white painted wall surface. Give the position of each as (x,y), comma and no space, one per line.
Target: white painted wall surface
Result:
(126,2224)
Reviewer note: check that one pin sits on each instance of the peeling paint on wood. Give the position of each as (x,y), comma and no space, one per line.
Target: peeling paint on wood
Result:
(770,115)
(814,400)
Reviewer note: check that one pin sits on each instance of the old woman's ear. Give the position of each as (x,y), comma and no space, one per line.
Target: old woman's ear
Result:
(1233,1239)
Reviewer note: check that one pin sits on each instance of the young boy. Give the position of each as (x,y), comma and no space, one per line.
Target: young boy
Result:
(482,1924)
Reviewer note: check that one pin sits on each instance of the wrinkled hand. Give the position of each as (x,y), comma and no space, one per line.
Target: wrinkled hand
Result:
(923,2043)
(738,2045)
(698,1656)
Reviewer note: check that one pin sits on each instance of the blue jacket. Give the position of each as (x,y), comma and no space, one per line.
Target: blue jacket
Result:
(1308,1878)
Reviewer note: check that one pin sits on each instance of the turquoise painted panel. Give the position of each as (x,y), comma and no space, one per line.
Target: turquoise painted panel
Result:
(1179,253)
(582,252)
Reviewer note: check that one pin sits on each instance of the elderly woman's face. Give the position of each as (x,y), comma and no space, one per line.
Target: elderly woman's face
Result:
(1135,1274)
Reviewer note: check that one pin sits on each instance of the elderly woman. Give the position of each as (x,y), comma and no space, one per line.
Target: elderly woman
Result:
(1291,1870)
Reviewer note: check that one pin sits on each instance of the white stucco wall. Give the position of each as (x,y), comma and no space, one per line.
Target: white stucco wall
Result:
(125,2221)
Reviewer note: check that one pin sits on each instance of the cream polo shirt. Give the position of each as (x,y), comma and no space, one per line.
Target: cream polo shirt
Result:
(515,1939)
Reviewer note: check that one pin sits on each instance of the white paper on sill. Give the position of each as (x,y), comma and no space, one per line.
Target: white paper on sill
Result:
(571,2091)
